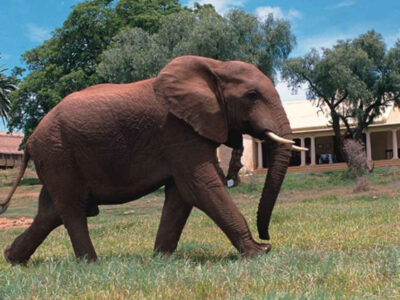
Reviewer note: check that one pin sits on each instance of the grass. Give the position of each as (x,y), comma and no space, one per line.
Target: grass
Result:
(328,243)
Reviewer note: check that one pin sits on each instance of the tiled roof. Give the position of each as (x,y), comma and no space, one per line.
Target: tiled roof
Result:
(9,143)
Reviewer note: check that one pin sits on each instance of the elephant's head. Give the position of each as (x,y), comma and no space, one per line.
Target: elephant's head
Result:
(221,99)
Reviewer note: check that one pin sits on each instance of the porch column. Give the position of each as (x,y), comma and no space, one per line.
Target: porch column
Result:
(368,145)
(259,153)
(395,145)
(302,153)
(312,150)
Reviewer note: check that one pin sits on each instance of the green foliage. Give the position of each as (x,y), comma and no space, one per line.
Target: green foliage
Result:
(145,14)
(354,81)
(203,32)
(133,55)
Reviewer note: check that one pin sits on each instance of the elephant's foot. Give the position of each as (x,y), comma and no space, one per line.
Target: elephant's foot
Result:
(258,249)
(15,258)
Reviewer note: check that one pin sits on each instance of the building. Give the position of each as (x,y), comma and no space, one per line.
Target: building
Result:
(311,129)
(10,155)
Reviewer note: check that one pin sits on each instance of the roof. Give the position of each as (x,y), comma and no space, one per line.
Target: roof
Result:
(9,143)
(303,115)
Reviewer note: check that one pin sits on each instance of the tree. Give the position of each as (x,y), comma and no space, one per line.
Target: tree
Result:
(132,55)
(67,62)
(202,31)
(354,82)
(145,14)
(7,85)
(265,44)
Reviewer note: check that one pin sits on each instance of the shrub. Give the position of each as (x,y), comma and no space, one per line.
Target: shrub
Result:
(357,164)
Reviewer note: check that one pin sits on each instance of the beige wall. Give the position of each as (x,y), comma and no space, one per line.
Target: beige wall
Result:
(224,156)
(394,115)
(248,158)
(249,153)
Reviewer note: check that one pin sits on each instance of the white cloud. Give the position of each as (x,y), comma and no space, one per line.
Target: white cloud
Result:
(221,6)
(262,13)
(36,33)
(294,14)
(286,94)
(344,4)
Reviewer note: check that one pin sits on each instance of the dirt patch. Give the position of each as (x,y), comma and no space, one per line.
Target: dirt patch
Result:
(6,223)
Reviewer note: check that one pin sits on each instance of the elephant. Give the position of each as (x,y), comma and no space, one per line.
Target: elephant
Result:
(114,143)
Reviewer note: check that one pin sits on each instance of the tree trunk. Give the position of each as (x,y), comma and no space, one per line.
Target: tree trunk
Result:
(339,139)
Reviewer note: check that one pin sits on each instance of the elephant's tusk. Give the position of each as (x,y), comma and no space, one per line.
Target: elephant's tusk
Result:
(299,149)
(278,139)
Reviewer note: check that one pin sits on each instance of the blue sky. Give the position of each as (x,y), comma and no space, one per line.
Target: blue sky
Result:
(25,24)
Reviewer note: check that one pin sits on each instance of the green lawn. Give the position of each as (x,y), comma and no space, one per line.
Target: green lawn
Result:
(328,243)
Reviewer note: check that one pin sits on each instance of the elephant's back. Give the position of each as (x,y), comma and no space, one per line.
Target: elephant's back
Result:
(101,117)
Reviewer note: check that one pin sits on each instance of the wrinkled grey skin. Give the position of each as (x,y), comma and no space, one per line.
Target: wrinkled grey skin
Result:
(110,144)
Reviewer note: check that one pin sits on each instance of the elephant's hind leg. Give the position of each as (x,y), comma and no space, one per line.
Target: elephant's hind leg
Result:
(71,199)
(71,204)
(45,221)
(174,215)
(77,227)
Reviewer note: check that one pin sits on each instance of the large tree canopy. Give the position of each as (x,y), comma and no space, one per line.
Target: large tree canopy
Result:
(135,54)
(354,81)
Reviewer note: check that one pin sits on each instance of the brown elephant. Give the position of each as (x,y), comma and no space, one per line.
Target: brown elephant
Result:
(113,143)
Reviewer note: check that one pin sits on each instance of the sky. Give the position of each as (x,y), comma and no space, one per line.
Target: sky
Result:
(25,24)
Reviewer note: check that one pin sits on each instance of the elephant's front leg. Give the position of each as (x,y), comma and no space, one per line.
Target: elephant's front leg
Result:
(174,215)
(198,182)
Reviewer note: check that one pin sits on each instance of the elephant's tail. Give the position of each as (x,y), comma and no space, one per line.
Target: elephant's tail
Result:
(4,205)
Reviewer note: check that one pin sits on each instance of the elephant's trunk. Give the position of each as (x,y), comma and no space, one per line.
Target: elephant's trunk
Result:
(279,157)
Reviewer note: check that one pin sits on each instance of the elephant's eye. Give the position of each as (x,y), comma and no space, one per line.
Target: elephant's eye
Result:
(253,95)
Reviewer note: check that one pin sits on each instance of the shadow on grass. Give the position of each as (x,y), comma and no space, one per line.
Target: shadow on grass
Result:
(202,258)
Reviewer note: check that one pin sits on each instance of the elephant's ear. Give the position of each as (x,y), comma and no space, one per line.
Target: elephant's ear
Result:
(189,88)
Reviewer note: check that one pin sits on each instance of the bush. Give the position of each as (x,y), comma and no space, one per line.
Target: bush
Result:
(357,158)
(357,164)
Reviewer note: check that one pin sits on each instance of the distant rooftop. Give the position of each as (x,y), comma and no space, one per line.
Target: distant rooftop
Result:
(9,143)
